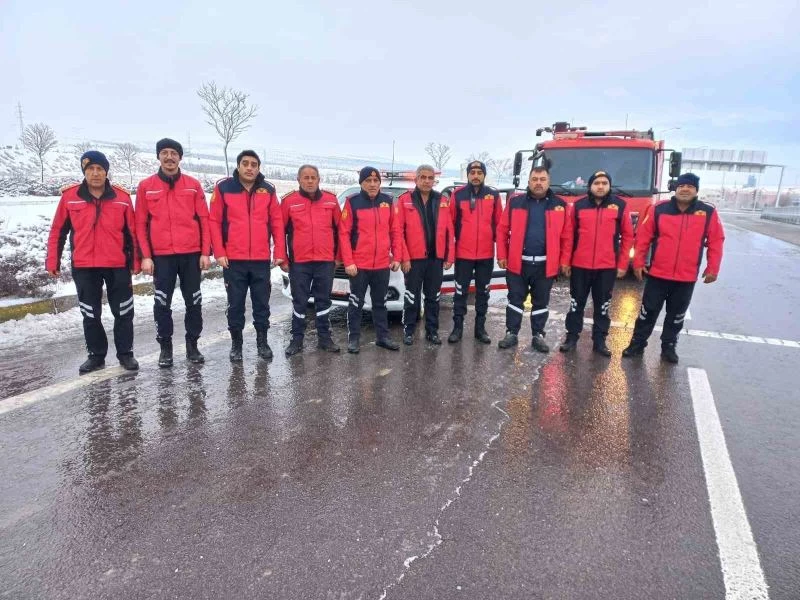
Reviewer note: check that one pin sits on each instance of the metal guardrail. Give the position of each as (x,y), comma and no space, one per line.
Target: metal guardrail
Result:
(784,214)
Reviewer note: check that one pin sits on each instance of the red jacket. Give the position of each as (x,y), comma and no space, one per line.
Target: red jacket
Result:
(365,232)
(410,231)
(514,223)
(311,226)
(102,233)
(678,239)
(242,222)
(475,221)
(172,220)
(602,234)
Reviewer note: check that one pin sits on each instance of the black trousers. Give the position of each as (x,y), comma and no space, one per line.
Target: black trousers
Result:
(600,282)
(677,295)
(241,276)
(167,269)
(425,277)
(307,280)
(464,270)
(89,283)
(533,280)
(378,283)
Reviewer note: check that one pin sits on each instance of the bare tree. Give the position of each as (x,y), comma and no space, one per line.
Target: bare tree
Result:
(440,154)
(126,154)
(481,156)
(227,112)
(81,147)
(39,139)
(500,166)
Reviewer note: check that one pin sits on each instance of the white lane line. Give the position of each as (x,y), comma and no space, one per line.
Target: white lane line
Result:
(738,555)
(734,337)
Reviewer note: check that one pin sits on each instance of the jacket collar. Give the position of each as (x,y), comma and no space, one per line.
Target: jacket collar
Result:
(84,194)
(315,196)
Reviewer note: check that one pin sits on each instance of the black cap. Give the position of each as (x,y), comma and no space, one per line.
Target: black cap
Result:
(168,143)
(368,172)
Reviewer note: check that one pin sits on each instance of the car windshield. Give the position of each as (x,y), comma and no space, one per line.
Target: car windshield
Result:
(630,168)
(394,192)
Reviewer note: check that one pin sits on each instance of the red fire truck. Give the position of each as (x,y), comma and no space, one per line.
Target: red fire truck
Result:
(633,158)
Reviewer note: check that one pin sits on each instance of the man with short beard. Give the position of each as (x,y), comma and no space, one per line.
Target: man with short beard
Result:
(678,229)
(476,211)
(603,236)
(174,242)
(245,217)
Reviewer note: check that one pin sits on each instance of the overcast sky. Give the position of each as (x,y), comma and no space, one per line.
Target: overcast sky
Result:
(349,78)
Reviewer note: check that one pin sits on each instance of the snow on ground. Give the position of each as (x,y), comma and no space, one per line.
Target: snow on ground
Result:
(41,328)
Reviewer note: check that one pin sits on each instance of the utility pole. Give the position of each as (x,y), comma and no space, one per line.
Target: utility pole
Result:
(21,122)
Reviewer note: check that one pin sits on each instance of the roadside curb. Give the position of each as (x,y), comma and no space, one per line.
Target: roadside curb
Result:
(60,304)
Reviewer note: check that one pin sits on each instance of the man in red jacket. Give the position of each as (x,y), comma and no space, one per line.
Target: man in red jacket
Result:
(603,236)
(678,230)
(533,240)
(98,219)
(476,211)
(245,215)
(174,241)
(424,237)
(311,220)
(365,234)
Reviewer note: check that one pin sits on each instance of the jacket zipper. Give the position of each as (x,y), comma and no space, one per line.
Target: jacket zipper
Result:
(598,216)
(680,239)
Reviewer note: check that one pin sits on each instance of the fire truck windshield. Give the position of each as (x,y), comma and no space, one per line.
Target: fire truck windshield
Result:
(630,168)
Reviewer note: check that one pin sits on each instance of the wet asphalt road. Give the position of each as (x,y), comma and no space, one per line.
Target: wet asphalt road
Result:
(507,474)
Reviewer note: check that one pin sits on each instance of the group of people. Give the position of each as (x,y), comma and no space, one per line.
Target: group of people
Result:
(172,233)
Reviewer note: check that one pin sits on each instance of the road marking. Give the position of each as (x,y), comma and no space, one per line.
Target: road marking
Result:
(733,337)
(738,555)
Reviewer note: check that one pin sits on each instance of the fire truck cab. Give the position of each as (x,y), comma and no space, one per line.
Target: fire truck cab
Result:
(633,158)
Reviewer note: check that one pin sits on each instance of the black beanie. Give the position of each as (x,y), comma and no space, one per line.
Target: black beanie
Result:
(93,157)
(250,153)
(689,179)
(168,143)
(368,172)
(597,174)
(476,164)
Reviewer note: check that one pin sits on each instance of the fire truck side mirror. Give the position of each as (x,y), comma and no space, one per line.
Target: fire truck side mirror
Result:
(675,164)
(517,167)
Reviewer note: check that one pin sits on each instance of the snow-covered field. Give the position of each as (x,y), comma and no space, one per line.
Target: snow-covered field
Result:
(24,210)
(43,328)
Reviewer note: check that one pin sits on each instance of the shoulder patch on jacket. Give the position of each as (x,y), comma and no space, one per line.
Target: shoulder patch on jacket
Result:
(558,207)
(69,186)
(120,188)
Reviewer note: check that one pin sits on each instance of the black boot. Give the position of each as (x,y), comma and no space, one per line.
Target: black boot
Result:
(294,347)
(236,346)
(327,344)
(165,356)
(264,351)
(354,346)
(193,355)
(538,343)
(93,363)
(128,362)
(599,347)
(569,344)
(458,331)
(669,354)
(634,349)
(480,330)
(508,341)
(433,338)
(388,344)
